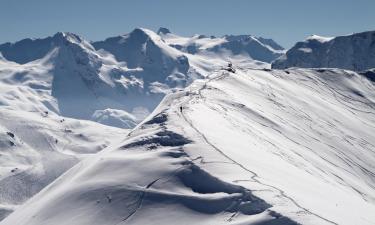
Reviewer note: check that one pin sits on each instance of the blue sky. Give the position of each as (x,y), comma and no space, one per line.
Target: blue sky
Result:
(286,21)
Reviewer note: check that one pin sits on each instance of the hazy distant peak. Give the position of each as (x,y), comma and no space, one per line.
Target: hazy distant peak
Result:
(163,30)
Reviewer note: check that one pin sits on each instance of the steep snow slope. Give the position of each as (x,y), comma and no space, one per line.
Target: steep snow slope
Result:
(160,66)
(354,52)
(36,148)
(257,48)
(142,48)
(255,147)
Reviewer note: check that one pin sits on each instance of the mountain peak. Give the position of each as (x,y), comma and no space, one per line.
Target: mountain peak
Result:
(351,52)
(28,50)
(70,37)
(318,38)
(163,30)
(139,34)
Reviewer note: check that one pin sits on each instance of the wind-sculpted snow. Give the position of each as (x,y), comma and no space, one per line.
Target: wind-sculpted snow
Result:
(354,52)
(36,148)
(254,147)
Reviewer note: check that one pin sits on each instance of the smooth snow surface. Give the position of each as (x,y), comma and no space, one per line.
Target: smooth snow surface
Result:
(254,147)
(36,148)
(354,52)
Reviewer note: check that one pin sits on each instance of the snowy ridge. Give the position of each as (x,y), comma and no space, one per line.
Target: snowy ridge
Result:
(36,148)
(45,83)
(120,82)
(228,46)
(290,147)
(354,52)
(144,49)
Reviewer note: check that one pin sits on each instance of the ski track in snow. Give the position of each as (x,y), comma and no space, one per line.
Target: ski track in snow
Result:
(254,176)
(146,174)
(163,161)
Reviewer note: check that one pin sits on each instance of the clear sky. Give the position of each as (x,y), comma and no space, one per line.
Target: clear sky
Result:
(285,21)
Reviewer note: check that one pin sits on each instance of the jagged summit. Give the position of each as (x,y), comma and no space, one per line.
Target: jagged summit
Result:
(28,50)
(163,30)
(143,48)
(67,36)
(72,38)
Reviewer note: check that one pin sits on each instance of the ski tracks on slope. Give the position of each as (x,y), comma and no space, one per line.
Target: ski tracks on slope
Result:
(254,176)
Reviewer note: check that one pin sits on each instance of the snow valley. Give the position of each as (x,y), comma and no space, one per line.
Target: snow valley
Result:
(156,128)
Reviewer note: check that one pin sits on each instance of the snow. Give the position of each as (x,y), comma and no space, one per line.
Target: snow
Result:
(305,50)
(254,146)
(55,84)
(36,148)
(38,141)
(319,38)
(289,147)
(64,72)
(114,118)
(352,52)
(226,47)
(69,76)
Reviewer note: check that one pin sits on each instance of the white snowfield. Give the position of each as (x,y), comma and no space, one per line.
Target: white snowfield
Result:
(255,147)
(36,148)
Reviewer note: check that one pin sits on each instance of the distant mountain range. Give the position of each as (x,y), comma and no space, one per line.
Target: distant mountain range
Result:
(353,52)
(153,128)
(120,80)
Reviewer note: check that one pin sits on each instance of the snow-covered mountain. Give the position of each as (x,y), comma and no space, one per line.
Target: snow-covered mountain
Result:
(49,87)
(116,82)
(161,66)
(254,147)
(70,80)
(354,52)
(257,48)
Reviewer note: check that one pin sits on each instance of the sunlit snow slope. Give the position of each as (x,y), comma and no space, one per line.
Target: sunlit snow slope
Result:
(51,87)
(36,148)
(255,147)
